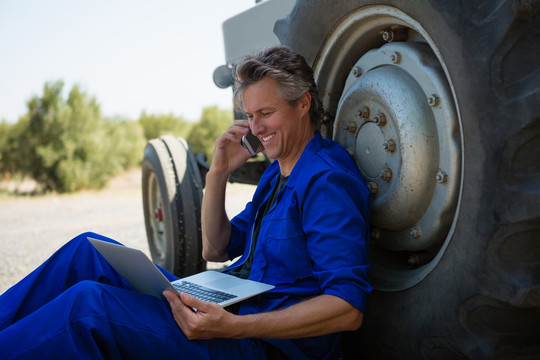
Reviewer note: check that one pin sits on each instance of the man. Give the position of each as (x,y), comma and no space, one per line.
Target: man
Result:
(305,232)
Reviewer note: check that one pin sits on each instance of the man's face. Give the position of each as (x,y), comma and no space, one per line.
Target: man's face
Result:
(283,129)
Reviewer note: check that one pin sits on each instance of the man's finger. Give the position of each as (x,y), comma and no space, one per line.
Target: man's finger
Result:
(242,122)
(170,296)
(192,301)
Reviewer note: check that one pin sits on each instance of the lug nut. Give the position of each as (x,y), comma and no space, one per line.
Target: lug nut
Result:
(364,112)
(441,177)
(380,119)
(386,174)
(388,35)
(415,232)
(356,71)
(413,260)
(373,187)
(419,259)
(433,100)
(390,145)
(396,58)
(351,127)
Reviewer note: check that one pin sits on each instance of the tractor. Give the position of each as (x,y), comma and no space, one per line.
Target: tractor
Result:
(438,102)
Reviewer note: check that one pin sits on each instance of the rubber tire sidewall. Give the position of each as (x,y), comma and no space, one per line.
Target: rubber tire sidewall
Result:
(180,187)
(156,161)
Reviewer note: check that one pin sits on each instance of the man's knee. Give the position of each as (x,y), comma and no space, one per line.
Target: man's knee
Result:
(83,238)
(84,291)
(80,244)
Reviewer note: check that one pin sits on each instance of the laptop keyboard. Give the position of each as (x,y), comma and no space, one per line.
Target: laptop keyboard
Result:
(202,293)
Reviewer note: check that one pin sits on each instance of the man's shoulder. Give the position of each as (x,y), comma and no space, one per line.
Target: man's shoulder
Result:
(329,164)
(333,156)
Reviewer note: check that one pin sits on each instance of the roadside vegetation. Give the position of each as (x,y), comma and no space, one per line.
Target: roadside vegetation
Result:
(66,144)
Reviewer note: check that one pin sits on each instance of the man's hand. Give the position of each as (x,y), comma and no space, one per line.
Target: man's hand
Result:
(323,314)
(229,154)
(208,321)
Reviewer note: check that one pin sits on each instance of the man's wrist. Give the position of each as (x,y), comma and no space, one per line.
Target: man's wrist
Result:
(241,327)
(216,177)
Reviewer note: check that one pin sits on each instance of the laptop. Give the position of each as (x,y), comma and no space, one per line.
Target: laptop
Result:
(145,277)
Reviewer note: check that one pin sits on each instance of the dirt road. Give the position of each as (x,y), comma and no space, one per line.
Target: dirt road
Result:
(32,228)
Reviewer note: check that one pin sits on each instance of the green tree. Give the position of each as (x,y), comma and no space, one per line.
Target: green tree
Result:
(128,139)
(7,143)
(4,136)
(13,148)
(69,145)
(155,126)
(203,134)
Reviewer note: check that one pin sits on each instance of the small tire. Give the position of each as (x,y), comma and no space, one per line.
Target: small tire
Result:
(172,200)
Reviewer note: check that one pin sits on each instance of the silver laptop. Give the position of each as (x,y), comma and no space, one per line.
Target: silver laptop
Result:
(145,277)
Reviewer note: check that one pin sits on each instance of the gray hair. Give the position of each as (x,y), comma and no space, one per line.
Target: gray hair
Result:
(295,77)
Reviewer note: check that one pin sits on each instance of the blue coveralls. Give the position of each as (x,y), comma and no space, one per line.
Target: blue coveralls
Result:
(312,242)
(76,306)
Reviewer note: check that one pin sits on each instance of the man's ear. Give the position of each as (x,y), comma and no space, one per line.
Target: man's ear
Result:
(305,102)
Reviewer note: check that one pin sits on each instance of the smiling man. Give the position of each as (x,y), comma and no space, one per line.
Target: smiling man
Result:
(305,232)
(270,118)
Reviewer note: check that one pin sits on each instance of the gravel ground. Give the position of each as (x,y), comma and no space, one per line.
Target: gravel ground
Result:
(32,228)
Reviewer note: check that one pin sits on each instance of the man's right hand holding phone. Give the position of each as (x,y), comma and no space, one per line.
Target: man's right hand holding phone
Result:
(251,143)
(228,153)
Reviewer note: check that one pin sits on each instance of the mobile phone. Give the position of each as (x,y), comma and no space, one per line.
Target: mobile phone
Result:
(251,143)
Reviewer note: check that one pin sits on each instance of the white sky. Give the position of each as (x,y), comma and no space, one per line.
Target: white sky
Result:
(153,55)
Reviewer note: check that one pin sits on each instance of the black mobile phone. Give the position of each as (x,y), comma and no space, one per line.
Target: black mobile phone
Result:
(251,143)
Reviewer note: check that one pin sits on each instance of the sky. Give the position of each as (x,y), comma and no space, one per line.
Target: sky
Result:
(157,56)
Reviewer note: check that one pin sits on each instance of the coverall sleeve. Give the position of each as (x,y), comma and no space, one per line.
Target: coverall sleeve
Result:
(239,229)
(335,221)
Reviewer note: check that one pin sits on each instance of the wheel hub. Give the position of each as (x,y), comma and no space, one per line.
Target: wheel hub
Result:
(155,207)
(388,119)
(371,153)
(398,129)
(159,214)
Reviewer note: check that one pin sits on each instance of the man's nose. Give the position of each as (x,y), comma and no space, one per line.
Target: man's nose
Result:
(256,125)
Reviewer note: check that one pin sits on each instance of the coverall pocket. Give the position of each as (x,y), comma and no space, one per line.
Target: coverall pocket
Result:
(285,248)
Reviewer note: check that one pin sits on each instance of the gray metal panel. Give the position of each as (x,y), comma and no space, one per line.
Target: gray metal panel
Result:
(253,29)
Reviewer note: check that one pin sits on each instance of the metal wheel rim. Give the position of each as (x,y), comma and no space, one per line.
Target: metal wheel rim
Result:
(395,265)
(155,205)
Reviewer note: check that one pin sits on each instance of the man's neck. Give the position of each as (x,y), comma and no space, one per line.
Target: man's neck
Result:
(286,167)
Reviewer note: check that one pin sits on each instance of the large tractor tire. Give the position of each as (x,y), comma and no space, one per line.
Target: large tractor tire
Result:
(172,200)
(439,103)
